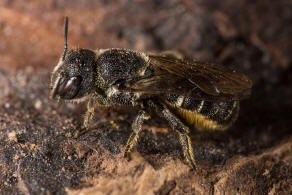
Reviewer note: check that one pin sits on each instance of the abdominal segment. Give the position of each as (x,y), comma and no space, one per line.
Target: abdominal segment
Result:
(204,115)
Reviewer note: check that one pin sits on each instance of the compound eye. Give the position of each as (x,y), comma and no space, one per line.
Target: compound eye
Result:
(69,88)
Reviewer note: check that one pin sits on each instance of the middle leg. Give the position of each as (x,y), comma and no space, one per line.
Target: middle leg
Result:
(136,127)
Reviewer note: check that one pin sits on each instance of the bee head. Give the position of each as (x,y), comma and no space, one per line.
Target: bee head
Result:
(73,77)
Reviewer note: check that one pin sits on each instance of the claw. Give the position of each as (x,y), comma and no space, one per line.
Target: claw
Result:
(127,155)
(80,132)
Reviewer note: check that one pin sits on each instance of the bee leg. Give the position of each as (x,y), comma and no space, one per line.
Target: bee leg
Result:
(184,138)
(87,118)
(181,129)
(186,144)
(136,127)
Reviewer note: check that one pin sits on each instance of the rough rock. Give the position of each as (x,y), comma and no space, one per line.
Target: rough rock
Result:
(38,153)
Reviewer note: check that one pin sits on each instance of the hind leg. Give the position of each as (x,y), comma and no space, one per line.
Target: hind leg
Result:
(180,128)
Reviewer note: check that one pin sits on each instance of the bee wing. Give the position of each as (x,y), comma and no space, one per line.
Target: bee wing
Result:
(163,83)
(212,79)
(192,78)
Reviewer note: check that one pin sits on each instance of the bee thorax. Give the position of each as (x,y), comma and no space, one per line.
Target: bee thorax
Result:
(111,91)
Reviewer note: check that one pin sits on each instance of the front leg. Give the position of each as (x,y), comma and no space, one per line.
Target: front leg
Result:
(136,127)
(87,118)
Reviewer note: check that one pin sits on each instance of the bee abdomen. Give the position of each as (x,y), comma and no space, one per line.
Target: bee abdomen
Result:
(205,115)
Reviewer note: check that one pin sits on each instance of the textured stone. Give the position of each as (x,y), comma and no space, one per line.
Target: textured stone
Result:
(38,153)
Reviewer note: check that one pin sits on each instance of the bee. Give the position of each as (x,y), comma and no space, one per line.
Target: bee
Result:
(187,93)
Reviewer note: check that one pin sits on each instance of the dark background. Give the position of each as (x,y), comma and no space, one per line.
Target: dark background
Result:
(37,152)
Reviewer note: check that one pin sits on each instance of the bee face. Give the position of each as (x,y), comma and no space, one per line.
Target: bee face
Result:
(73,77)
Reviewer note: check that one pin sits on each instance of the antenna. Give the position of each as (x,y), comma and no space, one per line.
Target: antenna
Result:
(65,38)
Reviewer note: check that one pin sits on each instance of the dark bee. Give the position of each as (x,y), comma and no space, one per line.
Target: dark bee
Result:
(186,93)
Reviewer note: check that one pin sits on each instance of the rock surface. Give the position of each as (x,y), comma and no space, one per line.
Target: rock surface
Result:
(38,153)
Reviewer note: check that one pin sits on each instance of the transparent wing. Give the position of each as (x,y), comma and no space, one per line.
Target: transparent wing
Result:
(193,78)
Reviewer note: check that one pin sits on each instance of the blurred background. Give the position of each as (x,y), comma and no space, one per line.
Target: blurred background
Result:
(254,35)
(251,36)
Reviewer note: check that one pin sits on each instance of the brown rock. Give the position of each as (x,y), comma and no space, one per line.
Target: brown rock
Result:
(38,153)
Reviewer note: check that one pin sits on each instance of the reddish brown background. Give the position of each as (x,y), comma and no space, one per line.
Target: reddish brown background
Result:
(37,154)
